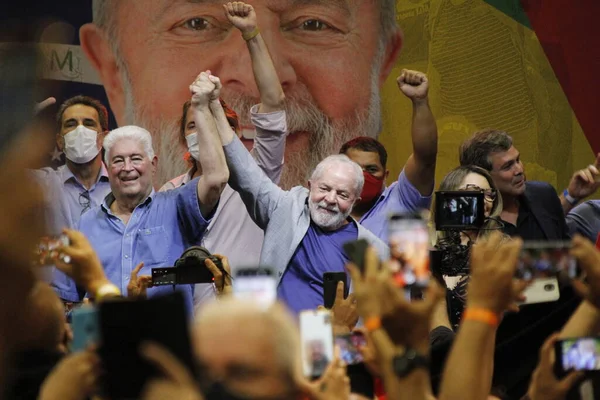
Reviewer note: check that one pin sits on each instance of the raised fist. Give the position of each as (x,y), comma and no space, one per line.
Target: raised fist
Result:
(241,15)
(205,88)
(413,84)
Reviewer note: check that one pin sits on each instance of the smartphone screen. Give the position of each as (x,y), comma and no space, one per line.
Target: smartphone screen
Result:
(257,285)
(47,249)
(86,328)
(459,210)
(349,345)
(409,247)
(317,341)
(579,354)
(541,260)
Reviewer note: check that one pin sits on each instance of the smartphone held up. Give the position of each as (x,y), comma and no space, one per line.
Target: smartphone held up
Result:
(409,249)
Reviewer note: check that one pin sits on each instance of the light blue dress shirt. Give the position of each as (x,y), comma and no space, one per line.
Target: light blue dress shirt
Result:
(160,229)
(66,200)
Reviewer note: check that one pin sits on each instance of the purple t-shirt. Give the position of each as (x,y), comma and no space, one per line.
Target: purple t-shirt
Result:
(301,287)
(400,196)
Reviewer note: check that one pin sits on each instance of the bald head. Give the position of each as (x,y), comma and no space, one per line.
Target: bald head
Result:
(233,335)
(42,320)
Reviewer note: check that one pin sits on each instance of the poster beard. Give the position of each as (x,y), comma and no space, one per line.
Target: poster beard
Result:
(326,135)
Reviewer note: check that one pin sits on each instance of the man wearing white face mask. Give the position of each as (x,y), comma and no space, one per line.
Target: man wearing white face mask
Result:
(80,184)
(231,231)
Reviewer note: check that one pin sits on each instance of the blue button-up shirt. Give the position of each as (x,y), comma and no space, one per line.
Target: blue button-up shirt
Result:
(158,232)
(66,200)
(400,196)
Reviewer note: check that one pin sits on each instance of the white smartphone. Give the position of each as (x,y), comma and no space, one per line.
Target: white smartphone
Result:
(316,336)
(256,284)
(542,290)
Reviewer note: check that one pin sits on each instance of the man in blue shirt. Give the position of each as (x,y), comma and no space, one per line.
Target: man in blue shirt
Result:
(80,184)
(412,191)
(134,224)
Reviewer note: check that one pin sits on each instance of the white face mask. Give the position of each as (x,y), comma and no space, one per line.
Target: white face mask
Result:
(80,145)
(192,143)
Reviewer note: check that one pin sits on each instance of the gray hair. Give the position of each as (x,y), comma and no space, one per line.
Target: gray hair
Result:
(340,159)
(130,132)
(285,332)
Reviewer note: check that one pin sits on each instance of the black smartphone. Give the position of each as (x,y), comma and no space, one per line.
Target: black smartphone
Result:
(355,250)
(459,210)
(125,325)
(330,282)
(577,354)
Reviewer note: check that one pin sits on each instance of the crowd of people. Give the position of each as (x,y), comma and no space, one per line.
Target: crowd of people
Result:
(109,223)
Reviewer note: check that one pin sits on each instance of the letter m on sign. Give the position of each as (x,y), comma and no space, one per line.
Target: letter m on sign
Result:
(61,65)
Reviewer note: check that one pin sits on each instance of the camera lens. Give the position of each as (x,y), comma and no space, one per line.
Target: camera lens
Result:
(549,288)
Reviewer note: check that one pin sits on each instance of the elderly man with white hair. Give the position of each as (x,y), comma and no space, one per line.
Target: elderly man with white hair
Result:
(134,224)
(305,229)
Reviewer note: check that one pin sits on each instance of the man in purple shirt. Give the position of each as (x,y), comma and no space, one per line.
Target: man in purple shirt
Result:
(415,184)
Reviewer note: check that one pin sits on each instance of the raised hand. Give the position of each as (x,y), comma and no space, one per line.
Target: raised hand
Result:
(138,285)
(544,384)
(493,266)
(75,377)
(586,181)
(241,15)
(333,385)
(202,89)
(41,106)
(413,84)
(222,281)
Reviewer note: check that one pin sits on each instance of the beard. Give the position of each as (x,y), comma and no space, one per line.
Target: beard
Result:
(327,220)
(303,115)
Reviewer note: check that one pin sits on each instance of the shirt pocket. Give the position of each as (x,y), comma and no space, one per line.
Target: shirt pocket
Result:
(153,246)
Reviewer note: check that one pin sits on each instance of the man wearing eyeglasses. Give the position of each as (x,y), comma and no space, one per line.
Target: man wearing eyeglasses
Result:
(80,184)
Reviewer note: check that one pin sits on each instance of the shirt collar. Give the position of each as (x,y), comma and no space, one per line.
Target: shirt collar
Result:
(110,198)
(66,174)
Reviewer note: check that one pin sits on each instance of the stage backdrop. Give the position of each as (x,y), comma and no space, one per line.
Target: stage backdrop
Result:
(526,66)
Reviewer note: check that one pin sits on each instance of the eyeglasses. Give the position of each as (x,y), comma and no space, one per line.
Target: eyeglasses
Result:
(489,194)
(84,201)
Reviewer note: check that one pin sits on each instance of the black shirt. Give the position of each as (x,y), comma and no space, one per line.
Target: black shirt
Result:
(527,227)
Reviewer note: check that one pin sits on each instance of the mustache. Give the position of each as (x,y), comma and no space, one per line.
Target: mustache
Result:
(323,204)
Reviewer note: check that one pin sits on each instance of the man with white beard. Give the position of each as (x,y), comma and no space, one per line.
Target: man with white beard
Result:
(305,229)
(331,57)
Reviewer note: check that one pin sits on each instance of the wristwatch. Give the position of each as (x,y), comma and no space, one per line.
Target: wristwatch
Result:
(409,361)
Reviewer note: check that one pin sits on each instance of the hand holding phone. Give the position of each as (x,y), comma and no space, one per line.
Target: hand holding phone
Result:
(409,246)
(316,336)
(577,354)
(330,284)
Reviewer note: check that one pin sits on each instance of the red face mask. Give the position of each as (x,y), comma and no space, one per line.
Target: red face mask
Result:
(371,189)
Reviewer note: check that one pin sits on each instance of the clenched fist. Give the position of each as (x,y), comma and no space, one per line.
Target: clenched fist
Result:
(241,15)
(205,89)
(413,84)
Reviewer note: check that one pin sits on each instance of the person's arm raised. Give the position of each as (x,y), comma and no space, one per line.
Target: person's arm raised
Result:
(420,167)
(585,321)
(215,174)
(243,17)
(492,291)
(258,192)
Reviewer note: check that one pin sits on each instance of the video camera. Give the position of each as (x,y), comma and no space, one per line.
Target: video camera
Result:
(459,210)
(188,269)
